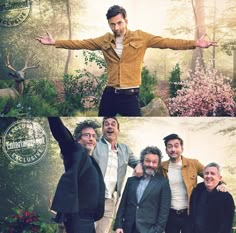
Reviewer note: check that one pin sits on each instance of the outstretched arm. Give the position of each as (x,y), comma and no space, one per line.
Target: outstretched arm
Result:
(202,43)
(46,40)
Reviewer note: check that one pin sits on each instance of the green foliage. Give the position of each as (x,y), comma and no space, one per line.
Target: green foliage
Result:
(95,57)
(79,86)
(39,99)
(82,85)
(149,81)
(174,81)
(5,83)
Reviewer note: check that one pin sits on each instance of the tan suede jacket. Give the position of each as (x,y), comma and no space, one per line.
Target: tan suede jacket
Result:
(126,71)
(191,168)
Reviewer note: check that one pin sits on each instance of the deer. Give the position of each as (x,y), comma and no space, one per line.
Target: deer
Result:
(18,76)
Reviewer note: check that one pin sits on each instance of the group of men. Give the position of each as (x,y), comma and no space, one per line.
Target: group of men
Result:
(160,197)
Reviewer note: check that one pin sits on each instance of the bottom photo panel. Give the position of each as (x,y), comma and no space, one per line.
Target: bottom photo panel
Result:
(123,175)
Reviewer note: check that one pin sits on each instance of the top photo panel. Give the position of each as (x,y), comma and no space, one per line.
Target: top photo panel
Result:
(128,58)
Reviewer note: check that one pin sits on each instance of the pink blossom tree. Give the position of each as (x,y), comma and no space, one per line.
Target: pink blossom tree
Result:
(205,92)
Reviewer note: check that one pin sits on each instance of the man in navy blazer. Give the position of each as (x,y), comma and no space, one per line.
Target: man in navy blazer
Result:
(145,202)
(211,211)
(80,195)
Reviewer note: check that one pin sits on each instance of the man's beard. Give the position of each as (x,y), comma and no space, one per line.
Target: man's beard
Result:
(148,171)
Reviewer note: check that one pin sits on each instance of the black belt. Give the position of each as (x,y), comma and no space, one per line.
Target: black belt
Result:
(129,91)
(179,212)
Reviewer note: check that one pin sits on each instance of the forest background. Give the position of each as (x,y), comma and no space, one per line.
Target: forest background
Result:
(73,19)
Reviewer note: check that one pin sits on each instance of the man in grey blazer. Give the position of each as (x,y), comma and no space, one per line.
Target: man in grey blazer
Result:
(113,159)
(145,203)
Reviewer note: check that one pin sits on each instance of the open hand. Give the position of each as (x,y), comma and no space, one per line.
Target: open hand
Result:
(202,43)
(46,40)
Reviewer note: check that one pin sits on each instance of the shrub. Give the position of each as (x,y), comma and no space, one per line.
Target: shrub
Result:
(204,93)
(149,82)
(23,221)
(79,88)
(174,81)
(39,99)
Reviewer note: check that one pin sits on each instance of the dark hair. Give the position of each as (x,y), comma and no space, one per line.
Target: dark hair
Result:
(84,125)
(151,150)
(105,118)
(172,137)
(116,10)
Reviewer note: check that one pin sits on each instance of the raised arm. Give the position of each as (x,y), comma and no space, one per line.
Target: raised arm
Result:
(64,138)
(59,131)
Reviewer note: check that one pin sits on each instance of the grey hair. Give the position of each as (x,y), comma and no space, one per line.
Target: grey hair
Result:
(213,164)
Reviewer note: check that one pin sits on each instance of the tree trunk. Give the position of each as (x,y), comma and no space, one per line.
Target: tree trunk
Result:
(69,37)
(199,15)
(214,37)
(234,67)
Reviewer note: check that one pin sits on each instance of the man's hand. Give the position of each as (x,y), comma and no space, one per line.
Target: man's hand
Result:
(221,188)
(138,170)
(46,40)
(119,230)
(202,43)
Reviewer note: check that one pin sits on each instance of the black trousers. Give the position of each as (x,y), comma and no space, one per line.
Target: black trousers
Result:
(178,222)
(76,224)
(124,104)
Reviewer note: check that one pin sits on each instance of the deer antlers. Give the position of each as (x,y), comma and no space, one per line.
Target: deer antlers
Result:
(8,65)
(19,74)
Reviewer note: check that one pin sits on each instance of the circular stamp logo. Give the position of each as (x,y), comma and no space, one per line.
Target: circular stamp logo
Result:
(14,12)
(25,142)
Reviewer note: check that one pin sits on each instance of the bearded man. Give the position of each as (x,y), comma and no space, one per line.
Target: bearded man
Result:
(145,202)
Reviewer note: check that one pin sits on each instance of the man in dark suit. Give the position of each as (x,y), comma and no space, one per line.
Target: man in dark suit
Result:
(80,195)
(145,202)
(211,211)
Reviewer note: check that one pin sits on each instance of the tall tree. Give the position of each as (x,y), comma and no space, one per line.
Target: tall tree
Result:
(70,34)
(199,16)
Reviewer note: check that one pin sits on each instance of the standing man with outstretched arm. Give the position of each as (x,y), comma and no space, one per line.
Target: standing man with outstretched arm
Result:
(124,52)
(80,194)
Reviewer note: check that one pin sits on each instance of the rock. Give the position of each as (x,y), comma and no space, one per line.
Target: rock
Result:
(156,107)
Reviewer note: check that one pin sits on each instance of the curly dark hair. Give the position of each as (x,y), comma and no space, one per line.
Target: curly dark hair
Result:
(84,125)
(151,150)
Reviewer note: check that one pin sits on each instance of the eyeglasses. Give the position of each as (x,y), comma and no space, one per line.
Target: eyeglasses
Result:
(89,135)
